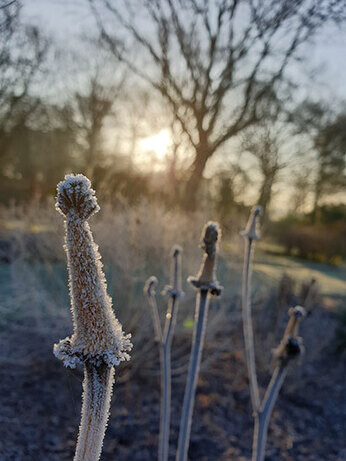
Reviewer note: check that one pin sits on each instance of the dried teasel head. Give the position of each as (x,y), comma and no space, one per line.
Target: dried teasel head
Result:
(174,290)
(206,277)
(98,336)
(251,231)
(291,344)
(75,198)
(150,286)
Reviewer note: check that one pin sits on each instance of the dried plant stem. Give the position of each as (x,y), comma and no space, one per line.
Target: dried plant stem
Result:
(247,327)
(262,418)
(207,285)
(97,392)
(165,339)
(149,289)
(202,304)
(289,348)
(174,292)
(166,385)
(98,341)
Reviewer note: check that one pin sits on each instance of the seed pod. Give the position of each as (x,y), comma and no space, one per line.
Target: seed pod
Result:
(206,277)
(98,336)
(291,344)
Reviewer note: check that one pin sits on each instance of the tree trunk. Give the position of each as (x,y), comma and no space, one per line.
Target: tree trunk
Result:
(315,209)
(265,193)
(174,195)
(203,153)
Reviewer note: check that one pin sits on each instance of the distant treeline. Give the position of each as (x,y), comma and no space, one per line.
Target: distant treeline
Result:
(324,240)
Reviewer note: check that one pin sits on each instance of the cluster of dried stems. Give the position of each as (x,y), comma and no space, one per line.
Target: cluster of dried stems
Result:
(290,347)
(98,341)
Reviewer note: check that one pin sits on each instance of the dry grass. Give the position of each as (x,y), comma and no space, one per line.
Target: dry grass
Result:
(135,243)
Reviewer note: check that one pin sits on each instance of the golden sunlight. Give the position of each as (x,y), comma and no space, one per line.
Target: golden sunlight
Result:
(158,143)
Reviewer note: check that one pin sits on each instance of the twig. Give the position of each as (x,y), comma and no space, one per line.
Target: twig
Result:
(206,283)
(174,292)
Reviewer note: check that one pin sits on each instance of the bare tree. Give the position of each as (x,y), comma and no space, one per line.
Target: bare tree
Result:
(302,188)
(230,184)
(264,145)
(214,62)
(326,132)
(23,52)
(93,107)
(330,145)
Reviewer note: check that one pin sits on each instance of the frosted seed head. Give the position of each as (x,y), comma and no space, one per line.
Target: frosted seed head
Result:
(291,344)
(205,280)
(210,234)
(98,335)
(75,197)
(150,286)
(251,231)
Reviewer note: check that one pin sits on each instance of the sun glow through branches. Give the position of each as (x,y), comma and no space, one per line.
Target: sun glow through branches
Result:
(158,143)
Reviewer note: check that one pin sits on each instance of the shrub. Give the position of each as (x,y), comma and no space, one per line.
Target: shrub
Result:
(323,242)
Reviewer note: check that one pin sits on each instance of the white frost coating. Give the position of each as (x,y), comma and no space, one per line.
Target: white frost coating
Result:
(98,336)
(97,392)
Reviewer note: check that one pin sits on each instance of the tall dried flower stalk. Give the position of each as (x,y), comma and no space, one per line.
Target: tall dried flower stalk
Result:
(290,347)
(251,234)
(165,340)
(206,284)
(98,341)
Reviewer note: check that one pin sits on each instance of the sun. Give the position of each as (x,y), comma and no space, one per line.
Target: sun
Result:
(158,143)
